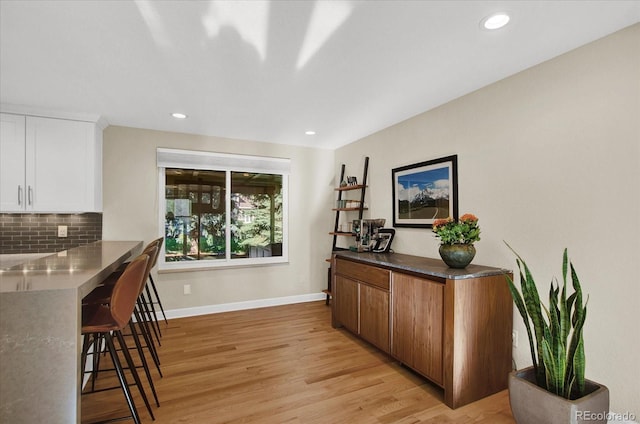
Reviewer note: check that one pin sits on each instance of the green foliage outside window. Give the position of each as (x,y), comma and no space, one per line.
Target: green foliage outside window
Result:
(195,220)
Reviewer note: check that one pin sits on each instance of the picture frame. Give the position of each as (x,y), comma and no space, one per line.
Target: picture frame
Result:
(424,192)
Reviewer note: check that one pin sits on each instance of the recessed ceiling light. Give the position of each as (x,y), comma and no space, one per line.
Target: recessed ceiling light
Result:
(310,132)
(495,21)
(178,115)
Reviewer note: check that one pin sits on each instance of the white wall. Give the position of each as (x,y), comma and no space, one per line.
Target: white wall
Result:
(548,159)
(131,213)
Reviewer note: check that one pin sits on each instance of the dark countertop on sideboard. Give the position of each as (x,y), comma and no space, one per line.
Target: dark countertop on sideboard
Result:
(419,265)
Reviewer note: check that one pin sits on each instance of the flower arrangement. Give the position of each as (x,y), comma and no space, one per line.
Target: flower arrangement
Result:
(463,231)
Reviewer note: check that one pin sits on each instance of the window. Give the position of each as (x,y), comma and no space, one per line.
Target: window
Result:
(220,209)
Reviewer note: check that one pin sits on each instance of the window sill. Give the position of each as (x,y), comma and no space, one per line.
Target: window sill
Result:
(172,267)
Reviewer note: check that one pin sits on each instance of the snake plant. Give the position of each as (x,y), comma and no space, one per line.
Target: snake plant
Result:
(555,333)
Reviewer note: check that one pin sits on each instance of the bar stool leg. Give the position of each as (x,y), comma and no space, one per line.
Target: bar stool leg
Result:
(95,340)
(143,358)
(121,376)
(132,368)
(152,308)
(97,350)
(83,356)
(148,340)
(147,315)
(146,333)
(155,291)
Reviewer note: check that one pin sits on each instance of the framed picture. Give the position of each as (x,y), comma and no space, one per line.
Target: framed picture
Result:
(424,192)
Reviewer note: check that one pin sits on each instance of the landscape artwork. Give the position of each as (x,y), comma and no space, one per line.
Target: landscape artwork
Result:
(424,192)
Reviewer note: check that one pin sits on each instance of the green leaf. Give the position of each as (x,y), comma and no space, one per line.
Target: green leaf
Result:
(517,299)
(557,335)
(557,345)
(579,367)
(578,290)
(551,368)
(565,309)
(533,305)
(575,356)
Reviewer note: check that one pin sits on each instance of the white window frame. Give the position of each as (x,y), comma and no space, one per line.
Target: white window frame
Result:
(187,159)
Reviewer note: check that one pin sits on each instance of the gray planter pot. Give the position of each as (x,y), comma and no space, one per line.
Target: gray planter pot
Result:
(531,404)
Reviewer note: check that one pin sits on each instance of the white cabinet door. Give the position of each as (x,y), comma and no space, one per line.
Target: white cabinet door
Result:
(12,163)
(60,157)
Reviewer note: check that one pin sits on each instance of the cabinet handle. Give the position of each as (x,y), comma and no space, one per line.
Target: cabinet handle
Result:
(30,197)
(19,195)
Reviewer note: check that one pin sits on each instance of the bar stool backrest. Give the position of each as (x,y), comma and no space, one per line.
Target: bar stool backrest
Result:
(158,242)
(151,251)
(150,246)
(127,288)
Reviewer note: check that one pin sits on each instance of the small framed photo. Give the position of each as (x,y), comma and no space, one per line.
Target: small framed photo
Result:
(424,192)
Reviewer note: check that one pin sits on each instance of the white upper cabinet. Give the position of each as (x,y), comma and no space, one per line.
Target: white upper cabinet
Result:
(12,153)
(50,165)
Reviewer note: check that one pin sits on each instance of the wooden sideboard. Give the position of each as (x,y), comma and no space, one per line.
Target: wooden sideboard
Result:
(451,326)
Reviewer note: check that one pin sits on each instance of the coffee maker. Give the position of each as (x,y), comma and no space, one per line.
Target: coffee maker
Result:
(371,236)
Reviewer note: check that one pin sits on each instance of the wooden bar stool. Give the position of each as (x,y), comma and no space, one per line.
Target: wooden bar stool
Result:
(99,320)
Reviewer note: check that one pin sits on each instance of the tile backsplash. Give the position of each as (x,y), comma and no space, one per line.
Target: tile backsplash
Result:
(38,233)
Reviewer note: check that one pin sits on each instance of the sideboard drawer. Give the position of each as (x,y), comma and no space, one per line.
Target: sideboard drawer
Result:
(365,273)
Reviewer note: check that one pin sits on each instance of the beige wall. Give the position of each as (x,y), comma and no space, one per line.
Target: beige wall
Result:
(548,159)
(131,213)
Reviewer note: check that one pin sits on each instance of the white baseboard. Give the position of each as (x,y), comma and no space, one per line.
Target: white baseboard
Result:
(240,306)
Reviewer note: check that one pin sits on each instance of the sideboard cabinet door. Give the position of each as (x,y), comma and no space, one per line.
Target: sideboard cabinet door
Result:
(418,324)
(345,300)
(361,301)
(374,316)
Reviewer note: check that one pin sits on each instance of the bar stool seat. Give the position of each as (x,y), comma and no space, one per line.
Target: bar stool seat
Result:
(101,295)
(98,319)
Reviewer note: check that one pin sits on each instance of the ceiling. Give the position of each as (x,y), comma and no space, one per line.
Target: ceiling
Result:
(271,70)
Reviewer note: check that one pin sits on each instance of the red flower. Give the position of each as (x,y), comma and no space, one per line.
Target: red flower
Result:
(440,222)
(468,217)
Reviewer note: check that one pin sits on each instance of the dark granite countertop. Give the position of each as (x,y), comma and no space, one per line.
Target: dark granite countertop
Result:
(419,265)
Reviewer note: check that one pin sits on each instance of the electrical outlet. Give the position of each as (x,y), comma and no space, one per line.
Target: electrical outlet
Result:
(514,338)
(187,289)
(62,231)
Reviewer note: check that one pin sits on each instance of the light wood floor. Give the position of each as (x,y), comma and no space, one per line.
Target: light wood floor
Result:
(285,365)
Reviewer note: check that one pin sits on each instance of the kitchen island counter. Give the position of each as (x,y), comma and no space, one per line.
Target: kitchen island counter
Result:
(40,323)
